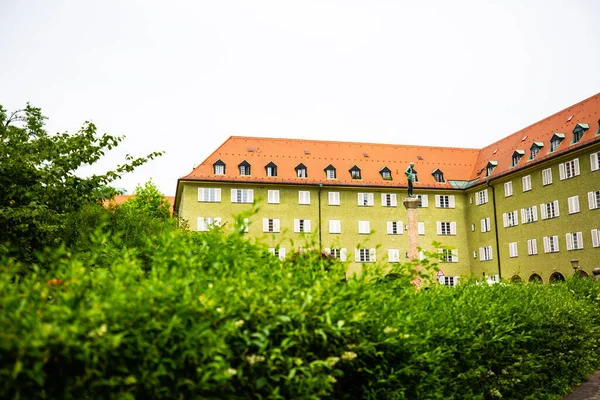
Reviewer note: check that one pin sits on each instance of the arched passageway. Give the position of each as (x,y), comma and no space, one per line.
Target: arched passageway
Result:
(516,279)
(557,277)
(535,278)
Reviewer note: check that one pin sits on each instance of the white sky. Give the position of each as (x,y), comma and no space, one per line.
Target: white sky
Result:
(182,76)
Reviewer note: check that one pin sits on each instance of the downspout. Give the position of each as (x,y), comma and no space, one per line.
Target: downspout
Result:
(320,188)
(496,229)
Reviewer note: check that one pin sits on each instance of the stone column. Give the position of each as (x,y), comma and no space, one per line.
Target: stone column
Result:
(411,204)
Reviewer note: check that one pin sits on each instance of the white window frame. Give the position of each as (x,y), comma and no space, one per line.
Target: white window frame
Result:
(574,240)
(301,173)
(508,189)
(330,173)
(271,225)
(444,201)
(273,196)
(569,169)
(336,252)
(389,200)
(550,210)
(395,228)
(303,197)
(363,255)
(529,215)
(364,227)
(595,161)
(301,225)
(510,219)
(448,255)
(204,224)
(423,200)
(209,195)
(393,255)
(335,226)
(551,244)
(421,228)
(573,203)
(547,177)
(242,196)
(594,200)
(366,199)
(219,169)
(481,197)
(532,247)
(513,250)
(526,183)
(333,198)
(595,237)
(485,253)
(448,280)
(278,252)
(485,224)
(446,228)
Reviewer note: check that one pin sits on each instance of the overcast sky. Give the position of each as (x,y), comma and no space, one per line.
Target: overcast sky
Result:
(183,76)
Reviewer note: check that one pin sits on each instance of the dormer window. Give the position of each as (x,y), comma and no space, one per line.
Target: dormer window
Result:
(535,149)
(491,165)
(386,174)
(556,140)
(579,131)
(271,169)
(301,171)
(438,175)
(516,157)
(244,168)
(330,172)
(219,167)
(355,172)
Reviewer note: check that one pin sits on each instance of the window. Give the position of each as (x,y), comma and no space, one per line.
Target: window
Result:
(551,244)
(547,177)
(594,200)
(574,241)
(366,199)
(246,224)
(448,280)
(596,237)
(330,172)
(490,167)
(219,167)
(485,225)
(244,168)
(555,142)
(516,157)
(335,226)
(364,227)
(532,247)
(481,197)
(242,195)
(508,190)
(394,228)
(209,195)
(448,255)
(388,199)
(386,174)
(438,176)
(365,255)
(579,131)
(535,149)
(334,198)
(303,197)
(595,161)
(278,252)
(485,253)
(271,225)
(394,255)
(204,224)
(301,171)
(423,200)
(529,215)
(421,227)
(550,210)
(444,201)
(271,169)
(510,219)
(273,196)
(573,204)
(302,225)
(526,183)
(446,228)
(569,169)
(512,249)
(472,227)
(337,253)
(355,172)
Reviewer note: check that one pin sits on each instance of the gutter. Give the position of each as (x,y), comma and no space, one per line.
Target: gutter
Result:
(320,220)
(496,227)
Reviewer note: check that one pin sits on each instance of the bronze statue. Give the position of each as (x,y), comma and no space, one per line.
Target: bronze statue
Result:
(411,175)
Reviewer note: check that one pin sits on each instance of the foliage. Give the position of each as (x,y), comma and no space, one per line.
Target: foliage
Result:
(148,201)
(39,186)
(216,316)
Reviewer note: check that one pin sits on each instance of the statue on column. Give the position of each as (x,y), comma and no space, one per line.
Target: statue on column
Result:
(411,176)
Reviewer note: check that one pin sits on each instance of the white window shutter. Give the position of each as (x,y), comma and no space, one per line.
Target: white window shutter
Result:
(276,225)
(556,209)
(391,257)
(218,195)
(383,199)
(485,195)
(576,162)
(217,222)
(595,238)
(487,223)
(265,224)
(400,227)
(421,228)
(296,225)
(327,250)
(246,224)
(477,200)
(357,255)
(523,215)
(390,227)
(505,219)
(201,224)
(233,195)
(307,225)
(437,200)
(516,217)
(424,200)
(546,244)
(561,170)
(481,254)
(360,199)
(580,239)
(371,199)
(556,242)
(200,194)
(451,202)
(250,195)
(453,228)
(282,253)
(529,247)
(490,249)
(343,255)
(592,200)
(535,214)
(482,225)
(455,255)
(394,200)
(331,226)
(544,211)
(439,227)
(372,255)
(594,163)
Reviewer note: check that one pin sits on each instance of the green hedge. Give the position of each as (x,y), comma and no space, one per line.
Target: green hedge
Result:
(216,317)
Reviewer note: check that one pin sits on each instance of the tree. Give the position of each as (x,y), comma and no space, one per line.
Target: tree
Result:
(149,201)
(39,186)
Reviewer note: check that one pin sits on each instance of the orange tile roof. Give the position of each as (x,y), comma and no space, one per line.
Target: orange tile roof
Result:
(461,164)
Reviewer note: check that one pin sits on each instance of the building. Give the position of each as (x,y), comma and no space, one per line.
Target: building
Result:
(521,208)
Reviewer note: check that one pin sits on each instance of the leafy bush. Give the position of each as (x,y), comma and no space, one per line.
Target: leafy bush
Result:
(215,316)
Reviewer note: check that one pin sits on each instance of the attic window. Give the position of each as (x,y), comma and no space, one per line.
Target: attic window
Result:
(535,149)
(516,157)
(579,131)
(330,172)
(301,171)
(495,151)
(306,151)
(250,149)
(219,167)
(271,169)
(366,154)
(570,118)
(244,168)
(438,175)
(524,137)
(355,172)
(556,140)
(386,174)
(491,165)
